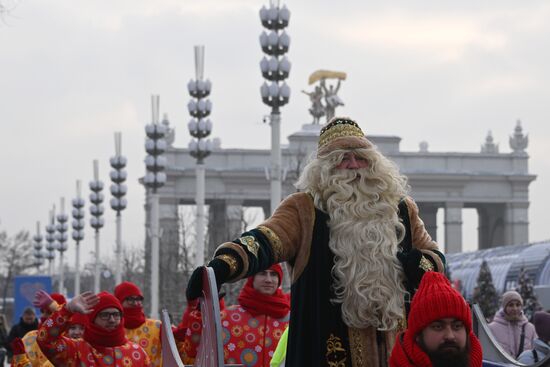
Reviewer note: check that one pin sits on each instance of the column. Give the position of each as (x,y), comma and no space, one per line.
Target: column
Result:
(428,214)
(171,276)
(453,227)
(224,223)
(517,223)
(491,225)
(234,214)
(266,207)
(216,226)
(145,284)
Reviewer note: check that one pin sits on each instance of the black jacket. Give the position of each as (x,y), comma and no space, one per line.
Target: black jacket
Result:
(19,331)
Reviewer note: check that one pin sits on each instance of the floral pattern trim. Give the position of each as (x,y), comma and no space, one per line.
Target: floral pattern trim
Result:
(336,354)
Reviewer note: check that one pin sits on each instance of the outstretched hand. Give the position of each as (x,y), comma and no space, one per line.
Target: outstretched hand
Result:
(83,303)
(42,299)
(194,286)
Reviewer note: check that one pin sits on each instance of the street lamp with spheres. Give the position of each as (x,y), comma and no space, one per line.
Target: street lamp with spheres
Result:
(78,225)
(275,69)
(200,127)
(155,178)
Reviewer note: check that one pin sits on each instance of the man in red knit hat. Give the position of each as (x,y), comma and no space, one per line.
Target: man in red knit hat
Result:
(439,333)
(104,342)
(251,329)
(139,329)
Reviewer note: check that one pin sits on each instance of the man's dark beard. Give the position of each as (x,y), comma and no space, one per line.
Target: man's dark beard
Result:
(448,354)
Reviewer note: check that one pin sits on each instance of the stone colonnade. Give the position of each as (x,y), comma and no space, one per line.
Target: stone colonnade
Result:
(499,224)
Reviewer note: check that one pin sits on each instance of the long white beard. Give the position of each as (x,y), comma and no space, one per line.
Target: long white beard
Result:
(364,230)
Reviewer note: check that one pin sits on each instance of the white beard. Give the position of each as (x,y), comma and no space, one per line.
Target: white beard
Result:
(364,230)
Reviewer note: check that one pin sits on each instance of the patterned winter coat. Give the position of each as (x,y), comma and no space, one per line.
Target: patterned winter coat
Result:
(34,354)
(63,351)
(21,360)
(246,339)
(147,336)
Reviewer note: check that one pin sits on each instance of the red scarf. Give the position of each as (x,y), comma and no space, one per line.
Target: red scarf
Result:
(133,317)
(406,353)
(98,336)
(276,305)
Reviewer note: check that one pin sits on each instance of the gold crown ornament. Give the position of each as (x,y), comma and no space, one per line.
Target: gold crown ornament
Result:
(341,133)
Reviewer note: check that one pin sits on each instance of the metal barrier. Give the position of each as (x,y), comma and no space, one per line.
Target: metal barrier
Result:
(210,353)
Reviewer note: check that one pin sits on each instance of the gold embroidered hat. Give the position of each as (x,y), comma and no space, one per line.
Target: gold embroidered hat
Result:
(341,133)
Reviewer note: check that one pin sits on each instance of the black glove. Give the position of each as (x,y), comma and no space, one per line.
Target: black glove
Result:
(410,261)
(194,287)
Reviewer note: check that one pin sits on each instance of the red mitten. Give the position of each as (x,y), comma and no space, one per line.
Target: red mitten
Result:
(42,299)
(17,346)
(179,333)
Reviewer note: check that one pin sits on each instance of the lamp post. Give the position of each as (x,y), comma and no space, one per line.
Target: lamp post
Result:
(37,244)
(78,232)
(277,93)
(118,201)
(50,241)
(96,221)
(61,238)
(199,127)
(155,163)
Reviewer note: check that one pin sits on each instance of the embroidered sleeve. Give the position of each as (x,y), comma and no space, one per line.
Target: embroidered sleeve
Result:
(56,347)
(432,258)
(281,237)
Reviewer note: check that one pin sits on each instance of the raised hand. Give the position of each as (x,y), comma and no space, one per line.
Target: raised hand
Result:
(83,303)
(42,299)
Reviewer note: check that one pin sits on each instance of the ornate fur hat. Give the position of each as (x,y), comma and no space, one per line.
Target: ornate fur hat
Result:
(341,133)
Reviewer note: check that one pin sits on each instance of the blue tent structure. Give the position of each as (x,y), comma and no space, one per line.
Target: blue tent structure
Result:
(505,263)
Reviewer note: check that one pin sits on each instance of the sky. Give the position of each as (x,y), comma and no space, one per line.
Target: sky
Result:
(74,72)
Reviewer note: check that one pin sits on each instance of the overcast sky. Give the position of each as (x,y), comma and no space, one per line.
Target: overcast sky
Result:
(74,72)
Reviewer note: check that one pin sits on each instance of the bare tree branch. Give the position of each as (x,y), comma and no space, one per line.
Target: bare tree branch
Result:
(16,258)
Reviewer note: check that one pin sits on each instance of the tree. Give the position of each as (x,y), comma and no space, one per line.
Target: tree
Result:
(16,258)
(485,294)
(133,265)
(6,6)
(525,289)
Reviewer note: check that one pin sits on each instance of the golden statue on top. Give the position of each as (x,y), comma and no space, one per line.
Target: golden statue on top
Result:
(329,94)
